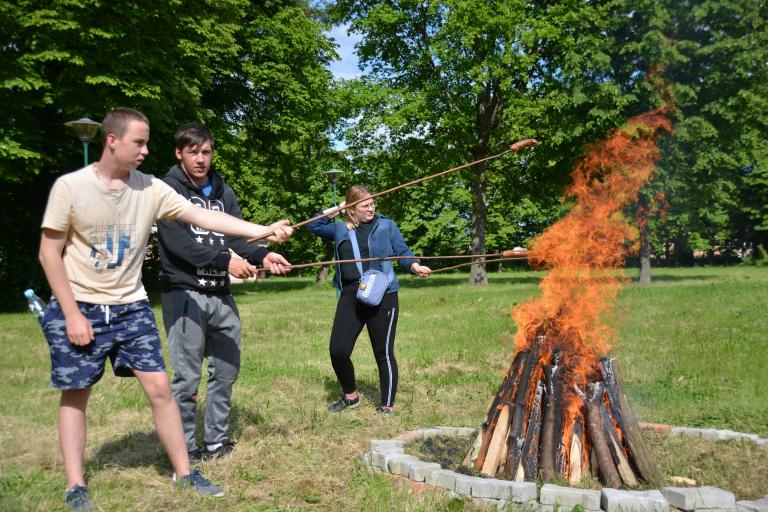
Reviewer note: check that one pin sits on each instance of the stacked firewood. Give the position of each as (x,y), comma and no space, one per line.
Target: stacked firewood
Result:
(542,423)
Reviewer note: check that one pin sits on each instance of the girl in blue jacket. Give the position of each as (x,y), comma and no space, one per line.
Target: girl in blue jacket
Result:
(377,236)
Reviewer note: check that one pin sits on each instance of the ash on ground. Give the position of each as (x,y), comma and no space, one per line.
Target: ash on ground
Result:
(448,451)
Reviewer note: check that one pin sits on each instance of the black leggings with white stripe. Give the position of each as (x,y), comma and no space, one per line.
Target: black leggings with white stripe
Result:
(381,321)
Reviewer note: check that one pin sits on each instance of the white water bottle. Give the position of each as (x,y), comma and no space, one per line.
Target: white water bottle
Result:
(35,304)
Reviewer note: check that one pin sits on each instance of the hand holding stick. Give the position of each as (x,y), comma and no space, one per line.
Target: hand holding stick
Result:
(420,270)
(279,232)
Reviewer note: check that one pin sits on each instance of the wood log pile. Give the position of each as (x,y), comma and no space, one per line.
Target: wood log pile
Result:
(545,423)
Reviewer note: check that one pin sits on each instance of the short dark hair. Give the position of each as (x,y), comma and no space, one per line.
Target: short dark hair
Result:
(117,122)
(193,134)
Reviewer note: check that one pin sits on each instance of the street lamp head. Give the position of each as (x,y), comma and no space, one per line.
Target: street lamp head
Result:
(84,128)
(333,175)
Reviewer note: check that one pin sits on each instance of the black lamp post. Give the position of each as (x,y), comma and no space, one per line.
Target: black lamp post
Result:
(86,130)
(333,177)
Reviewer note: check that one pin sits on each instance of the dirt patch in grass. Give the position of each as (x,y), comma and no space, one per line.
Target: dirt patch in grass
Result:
(738,466)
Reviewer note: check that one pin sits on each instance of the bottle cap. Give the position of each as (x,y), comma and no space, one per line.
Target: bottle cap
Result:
(29,293)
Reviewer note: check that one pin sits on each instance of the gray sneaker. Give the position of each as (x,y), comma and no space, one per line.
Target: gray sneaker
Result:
(344,403)
(77,500)
(198,483)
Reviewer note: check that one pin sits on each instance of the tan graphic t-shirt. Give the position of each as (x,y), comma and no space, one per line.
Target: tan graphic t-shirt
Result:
(107,231)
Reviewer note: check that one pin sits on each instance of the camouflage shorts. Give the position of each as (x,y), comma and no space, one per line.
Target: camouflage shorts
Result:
(126,333)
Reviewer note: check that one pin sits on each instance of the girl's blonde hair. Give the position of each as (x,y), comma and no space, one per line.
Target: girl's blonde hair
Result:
(354,193)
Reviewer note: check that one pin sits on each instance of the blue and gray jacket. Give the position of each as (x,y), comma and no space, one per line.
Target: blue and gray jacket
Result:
(385,240)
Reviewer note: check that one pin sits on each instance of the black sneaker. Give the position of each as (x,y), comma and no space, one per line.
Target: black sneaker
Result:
(195,457)
(383,409)
(196,482)
(225,449)
(77,499)
(344,403)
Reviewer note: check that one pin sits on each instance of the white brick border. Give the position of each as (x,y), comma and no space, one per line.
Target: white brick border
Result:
(707,433)
(387,456)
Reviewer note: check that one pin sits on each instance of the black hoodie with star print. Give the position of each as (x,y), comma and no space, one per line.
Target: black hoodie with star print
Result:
(192,257)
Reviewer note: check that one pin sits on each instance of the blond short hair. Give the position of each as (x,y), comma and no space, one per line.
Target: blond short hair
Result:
(355,193)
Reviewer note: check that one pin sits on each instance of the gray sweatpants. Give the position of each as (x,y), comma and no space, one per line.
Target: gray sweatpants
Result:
(203,326)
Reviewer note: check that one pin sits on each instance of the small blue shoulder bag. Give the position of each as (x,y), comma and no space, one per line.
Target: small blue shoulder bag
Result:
(373,283)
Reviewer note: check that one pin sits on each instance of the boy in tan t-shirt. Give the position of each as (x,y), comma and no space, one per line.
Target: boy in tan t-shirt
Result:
(95,229)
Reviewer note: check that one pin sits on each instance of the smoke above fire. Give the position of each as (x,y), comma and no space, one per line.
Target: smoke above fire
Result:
(586,249)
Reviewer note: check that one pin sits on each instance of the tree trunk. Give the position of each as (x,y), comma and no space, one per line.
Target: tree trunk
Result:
(645,242)
(324,270)
(478,274)
(322,274)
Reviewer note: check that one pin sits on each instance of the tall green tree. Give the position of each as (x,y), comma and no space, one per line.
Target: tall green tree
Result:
(457,81)
(211,61)
(274,105)
(715,170)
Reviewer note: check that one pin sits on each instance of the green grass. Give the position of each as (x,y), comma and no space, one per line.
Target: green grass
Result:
(693,351)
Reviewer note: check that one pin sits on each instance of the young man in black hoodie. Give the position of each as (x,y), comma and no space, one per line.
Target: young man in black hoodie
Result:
(199,313)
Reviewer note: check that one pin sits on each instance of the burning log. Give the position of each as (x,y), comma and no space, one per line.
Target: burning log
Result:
(530,453)
(506,390)
(623,413)
(520,411)
(576,464)
(497,444)
(614,446)
(608,472)
(552,421)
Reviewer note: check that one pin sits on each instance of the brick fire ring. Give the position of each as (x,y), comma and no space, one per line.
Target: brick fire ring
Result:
(388,456)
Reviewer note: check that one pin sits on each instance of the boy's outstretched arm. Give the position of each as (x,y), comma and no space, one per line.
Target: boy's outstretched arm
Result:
(222,223)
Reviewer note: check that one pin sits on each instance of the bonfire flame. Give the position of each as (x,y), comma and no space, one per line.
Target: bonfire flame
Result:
(584,250)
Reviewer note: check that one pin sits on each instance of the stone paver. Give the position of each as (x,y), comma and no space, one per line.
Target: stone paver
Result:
(616,500)
(516,492)
(485,488)
(385,459)
(457,431)
(569,497)
(368,460)
(716,434)
(464,484)
(429,432)
(420,471)
(442,478)
(381,459)
(402,464)
(760,505)
(386,445)
(697,498)
(559,508)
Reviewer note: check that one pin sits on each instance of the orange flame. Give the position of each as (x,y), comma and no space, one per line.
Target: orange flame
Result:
(585,250)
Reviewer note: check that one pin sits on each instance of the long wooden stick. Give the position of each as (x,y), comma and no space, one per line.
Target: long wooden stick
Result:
(514,258)
(514,148)
(506,255)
